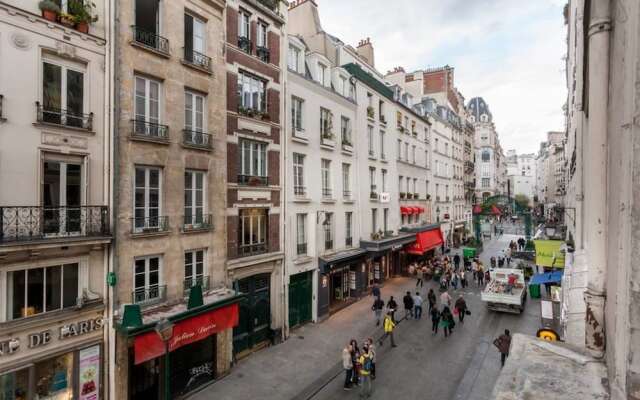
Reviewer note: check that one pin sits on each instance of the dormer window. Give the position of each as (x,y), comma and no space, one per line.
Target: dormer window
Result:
(294,56)
(322,72)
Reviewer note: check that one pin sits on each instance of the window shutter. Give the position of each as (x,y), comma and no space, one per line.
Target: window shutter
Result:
(188,37)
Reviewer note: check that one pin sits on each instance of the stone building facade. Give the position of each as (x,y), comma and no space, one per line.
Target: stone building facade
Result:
(54,203)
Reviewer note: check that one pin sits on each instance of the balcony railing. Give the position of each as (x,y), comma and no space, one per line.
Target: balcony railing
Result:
(300,191)
(149,130)
(188,283)
(142,225)
(301,249)
(151,40)
(197,59)
(328,244)
(197,139)
(252,180)
(197,222)
(244,43)
(57,116)
(326,193)
(346,194)
(348,242)
(152,294)
(252,249)
(38,223)
(263,53)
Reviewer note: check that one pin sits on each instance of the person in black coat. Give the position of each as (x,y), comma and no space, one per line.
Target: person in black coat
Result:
(408,305)
(461,307)
(392,306)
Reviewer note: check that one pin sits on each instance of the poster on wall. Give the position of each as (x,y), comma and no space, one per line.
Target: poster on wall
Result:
(89,373)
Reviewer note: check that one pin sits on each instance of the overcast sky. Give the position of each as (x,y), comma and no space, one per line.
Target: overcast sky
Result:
(507,51)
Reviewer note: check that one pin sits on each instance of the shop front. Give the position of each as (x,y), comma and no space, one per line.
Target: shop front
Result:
(343,280)
(170,357)
(386,256)
(459,235)
(52,359)
(427,240)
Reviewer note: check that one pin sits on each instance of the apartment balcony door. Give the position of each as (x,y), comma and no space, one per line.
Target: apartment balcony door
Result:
(62,195)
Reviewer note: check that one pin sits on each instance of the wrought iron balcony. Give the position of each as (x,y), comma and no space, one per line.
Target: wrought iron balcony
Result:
(301,249)
(152,294)
(57,116)
(197,59)
(188,283)
(149,131)
(142,225)
(40,223)
(252,180)
(245,44)
(252,249)
(346,194)
(197,139)
(326,193)
(197,222)
(299,191)
(150,40)
(348,242)
(328,244)
(263,53)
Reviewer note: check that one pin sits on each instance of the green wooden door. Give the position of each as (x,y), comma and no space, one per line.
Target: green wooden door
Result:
(255,313)
(300,293)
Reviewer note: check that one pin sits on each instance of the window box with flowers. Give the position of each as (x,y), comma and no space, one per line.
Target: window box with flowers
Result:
(403,195)
(409,196)
(416,196)
(50,10)
(253,113)
(83,15)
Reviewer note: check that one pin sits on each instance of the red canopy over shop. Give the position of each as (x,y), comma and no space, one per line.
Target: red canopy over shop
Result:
(149,345)
(477,209)
(426,241)
(405,210)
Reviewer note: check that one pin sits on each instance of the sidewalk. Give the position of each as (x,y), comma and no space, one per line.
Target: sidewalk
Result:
(311,352)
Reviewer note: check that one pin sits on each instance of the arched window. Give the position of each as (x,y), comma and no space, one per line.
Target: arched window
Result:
(486,156)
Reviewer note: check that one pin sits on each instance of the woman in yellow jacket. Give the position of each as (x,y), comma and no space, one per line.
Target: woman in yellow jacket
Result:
(389,326)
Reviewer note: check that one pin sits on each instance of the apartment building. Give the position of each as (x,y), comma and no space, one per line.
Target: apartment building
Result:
(170,162)
(256,70)
(322,199)
(488,170)
(551,166)
(54,202)
(521,173)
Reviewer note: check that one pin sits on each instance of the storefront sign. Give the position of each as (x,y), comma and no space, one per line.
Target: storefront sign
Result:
(149,345)
(8,347)
(89,373)
(385,197)
(548,253)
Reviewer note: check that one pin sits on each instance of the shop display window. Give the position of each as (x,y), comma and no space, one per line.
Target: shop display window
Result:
(54,378)
(15,385)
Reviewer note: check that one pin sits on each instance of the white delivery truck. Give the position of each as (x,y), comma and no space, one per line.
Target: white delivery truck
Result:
(506,290)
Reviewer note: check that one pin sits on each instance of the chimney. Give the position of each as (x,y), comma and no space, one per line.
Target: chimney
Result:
(365,51)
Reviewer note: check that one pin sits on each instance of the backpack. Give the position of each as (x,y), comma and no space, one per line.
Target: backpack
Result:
(368,364)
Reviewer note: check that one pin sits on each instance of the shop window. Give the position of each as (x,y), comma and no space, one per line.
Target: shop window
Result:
(15,385)
(54,378)
(38,290)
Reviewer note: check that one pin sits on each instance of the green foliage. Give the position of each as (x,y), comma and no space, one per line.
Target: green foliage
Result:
(82,12)
(529,246)
(523,201)
(49,5)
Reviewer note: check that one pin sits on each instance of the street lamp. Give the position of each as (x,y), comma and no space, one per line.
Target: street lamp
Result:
(164,329)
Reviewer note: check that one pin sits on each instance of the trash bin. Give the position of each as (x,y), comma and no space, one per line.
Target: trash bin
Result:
(534,291)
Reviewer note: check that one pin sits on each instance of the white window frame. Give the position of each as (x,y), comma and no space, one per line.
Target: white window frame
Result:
(194,111)
(259,150)
(148,83)
(298,172)
(249,84)
(301,232)
(325,169)
(297,106)
(194,206)
(195,275)
(382,154)
(346,177)
(147,287)
(293,58)
(262,219)
(322,73)
(244,24)
(262,34)
(147,190)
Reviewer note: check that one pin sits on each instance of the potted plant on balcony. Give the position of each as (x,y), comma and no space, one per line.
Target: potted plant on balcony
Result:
(265,116)
(82,14)
(50,10)
(416,196)
(67,20)
(402,195)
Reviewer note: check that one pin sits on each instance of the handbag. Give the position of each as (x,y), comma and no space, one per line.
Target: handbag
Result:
(467,312)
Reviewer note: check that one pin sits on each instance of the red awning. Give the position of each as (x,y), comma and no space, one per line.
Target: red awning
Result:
(477,209)
(495,210)
(425,241)
(404,210)
(421,209)
(416,210)
(149,345)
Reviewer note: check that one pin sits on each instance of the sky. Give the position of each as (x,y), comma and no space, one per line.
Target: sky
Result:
(510,52)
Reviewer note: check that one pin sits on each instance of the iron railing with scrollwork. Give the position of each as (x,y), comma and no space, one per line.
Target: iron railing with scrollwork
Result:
(197,222)
(252,249)
(301,249)
(197,139)
(263,53)
(23,223)
(149,130)
(57,116)
(156,224)
(245,44)
(197,59)
(151,294)
(188,283)
(150,39)
(299,190)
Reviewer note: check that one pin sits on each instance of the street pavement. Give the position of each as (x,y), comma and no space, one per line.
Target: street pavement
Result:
(464,366)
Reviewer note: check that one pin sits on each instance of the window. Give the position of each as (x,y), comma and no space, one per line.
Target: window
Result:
(262,34)
(385,220)
(298,174)
(346,178)
(147,204)
(372,180)
(400,180)
(251,91)
(194,269)
(348,226)
(382,156)
(344,86)
(146,279)
(243,24)
(39,290)
(253,159)
(62,95)
(328,231)
(326,124)
(415,186)
(384,180)
(194,109)
(409,185)
(406,152)
(147,107)
(485,182)
(326,178)
(413,154)
(374,220)
(296,113)
(301,234)
(62,194)
(370,140)
(345,129)
(426,158)
(252,231)
(194,41)
(322,73)
(194,198)
(399,149)
(293,57)
(486,156)
(147,24)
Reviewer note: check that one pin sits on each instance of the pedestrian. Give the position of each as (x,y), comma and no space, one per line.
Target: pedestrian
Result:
(392,306)
(480,276)
(456,261)
(372,351)
(375,291)
(420,276)
(347,364)
(446,321)
(355,355)
(417,306)
(435,320)
(463,279)
(454,281)
(377,307)
(366,361)
(431,297)
(389,326)
(503,343)
(408,305)
(492,260)
(445,299)
(461,308)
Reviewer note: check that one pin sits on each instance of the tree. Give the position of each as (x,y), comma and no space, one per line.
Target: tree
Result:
(523,201)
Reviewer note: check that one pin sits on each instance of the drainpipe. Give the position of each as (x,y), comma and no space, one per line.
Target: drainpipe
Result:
(596,169)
